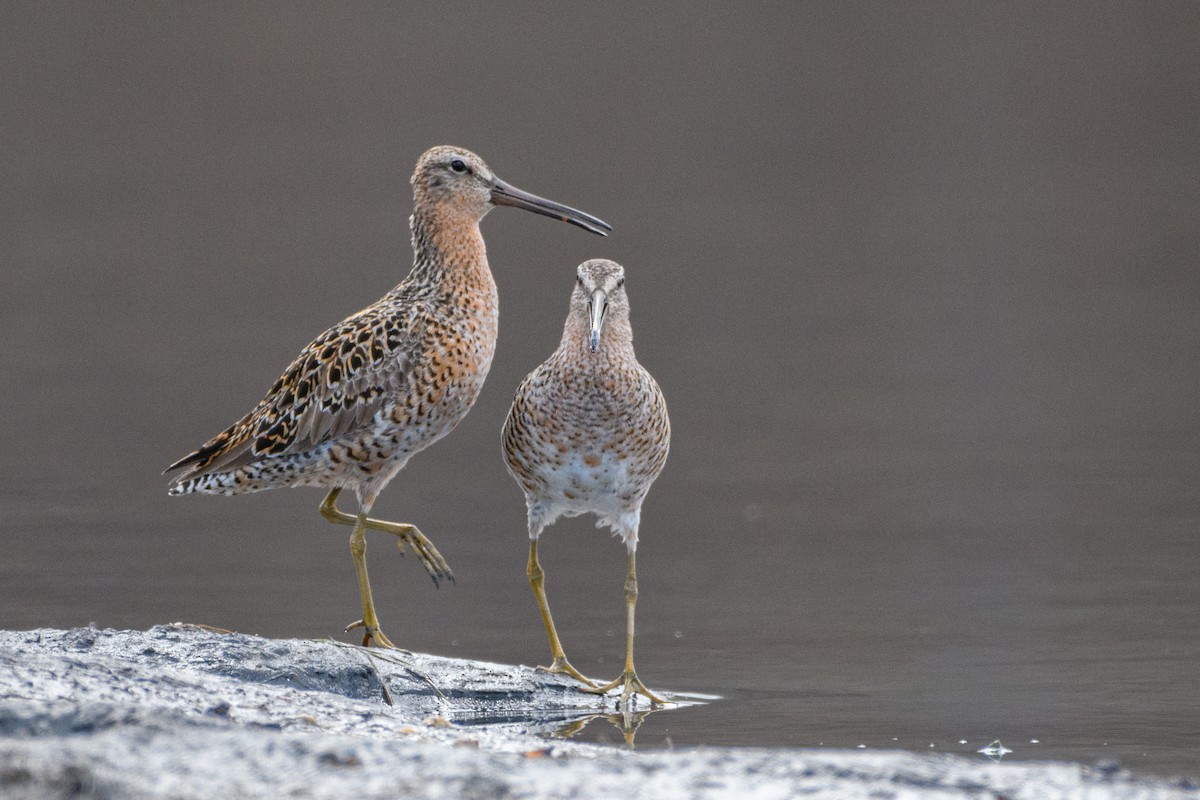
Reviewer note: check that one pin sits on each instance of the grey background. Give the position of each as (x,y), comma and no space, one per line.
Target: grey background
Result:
(918,280)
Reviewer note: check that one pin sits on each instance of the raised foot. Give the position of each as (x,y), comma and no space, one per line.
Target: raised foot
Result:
(372,635)
(563,667)
(632,685)
(430,558)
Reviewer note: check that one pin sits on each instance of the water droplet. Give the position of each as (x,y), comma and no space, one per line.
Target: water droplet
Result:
(995,750)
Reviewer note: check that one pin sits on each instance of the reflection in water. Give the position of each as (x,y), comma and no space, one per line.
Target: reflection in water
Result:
(566,723)
(626,720)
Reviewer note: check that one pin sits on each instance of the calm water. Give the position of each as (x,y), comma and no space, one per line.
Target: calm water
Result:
(919,283)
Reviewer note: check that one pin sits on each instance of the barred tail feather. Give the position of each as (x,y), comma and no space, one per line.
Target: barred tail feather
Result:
(267,473)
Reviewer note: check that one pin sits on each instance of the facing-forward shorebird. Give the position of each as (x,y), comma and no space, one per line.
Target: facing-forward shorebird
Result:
(588,432)
(387,382)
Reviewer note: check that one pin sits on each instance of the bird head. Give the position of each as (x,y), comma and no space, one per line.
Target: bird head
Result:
(600,296)
(456,178)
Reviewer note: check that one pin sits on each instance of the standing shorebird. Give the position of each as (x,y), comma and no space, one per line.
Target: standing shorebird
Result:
(588,432)
(387,382)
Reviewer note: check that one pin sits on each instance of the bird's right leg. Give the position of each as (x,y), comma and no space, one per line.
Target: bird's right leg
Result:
(629,680)
(537,580)
(369,622)
(428,555)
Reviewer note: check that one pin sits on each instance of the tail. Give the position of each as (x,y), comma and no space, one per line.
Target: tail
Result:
(267,472)
(226,483)
(221,455)
(200,458)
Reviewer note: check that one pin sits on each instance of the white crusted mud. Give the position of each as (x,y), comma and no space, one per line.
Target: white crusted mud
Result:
(181,712)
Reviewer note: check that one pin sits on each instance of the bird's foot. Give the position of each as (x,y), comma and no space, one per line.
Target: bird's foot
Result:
(631,684)
(563,667)
(430,558)
(372,635)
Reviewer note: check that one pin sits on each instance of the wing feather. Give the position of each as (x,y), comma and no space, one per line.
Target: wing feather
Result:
(335,387)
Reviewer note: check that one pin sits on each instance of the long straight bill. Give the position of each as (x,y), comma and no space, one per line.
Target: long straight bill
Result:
(504,194)
(597,306)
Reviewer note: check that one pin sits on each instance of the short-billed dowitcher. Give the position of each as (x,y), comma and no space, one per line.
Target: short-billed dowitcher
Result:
(588,432)
(387,382)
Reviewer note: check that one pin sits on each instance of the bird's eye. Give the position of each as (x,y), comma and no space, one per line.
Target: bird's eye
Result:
(620,282)
(458,165)
(579,280)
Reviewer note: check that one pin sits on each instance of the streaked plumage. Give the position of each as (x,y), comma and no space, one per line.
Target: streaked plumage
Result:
(389,381)
(588,432)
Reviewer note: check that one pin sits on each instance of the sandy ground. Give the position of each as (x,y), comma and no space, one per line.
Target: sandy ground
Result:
(183,712)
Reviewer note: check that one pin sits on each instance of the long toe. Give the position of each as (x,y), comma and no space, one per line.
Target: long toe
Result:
(635,686)
(563,667)
(630,685)
(377,638)
(430,558)
(372,636)
(606,688)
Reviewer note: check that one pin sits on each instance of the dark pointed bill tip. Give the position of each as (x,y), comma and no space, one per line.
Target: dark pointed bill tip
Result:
(504,194)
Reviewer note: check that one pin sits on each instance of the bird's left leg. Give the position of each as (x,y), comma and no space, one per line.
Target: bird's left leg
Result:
(629,680)
(428,555)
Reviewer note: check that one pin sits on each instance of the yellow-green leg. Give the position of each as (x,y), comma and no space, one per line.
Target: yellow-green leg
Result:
(537,580)
(629,679)
(429,556)
(369,622)
(426,552)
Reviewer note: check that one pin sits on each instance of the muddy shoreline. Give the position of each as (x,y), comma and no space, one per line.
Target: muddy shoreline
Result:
(180,712)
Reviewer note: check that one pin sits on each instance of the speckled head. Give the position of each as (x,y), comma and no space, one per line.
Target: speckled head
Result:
(599,296)
(457,180)
(453,177)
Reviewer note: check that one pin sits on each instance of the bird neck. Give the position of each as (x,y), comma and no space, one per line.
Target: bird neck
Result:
(449,251)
